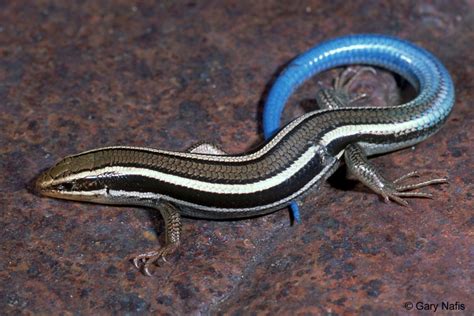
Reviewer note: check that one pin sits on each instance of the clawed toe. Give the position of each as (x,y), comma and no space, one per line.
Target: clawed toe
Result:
(358,98)
(396,196)
(412,174)
(420,184)
(144,261)
(144,257)
(348,76)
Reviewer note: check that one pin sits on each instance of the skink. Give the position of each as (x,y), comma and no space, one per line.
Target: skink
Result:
(208,183)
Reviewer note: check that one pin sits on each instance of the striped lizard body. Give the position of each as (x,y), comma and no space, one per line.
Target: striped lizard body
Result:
(208,183)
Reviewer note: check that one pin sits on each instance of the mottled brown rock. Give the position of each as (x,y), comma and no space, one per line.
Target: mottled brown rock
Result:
(85,74)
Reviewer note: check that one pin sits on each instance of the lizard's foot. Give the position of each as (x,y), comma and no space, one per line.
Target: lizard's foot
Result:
(359,166)
(145,260)
(349,75)
(343,82)
(396,191)
(338,96)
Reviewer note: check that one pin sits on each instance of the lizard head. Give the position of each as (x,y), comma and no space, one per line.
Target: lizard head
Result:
(71,179)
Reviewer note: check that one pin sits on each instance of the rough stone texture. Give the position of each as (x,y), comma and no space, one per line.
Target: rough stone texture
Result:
(84,74)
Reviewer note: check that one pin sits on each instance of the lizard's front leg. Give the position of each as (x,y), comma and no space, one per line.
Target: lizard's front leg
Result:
(172,238)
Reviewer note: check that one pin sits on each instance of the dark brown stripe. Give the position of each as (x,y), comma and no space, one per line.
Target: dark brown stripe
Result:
(138,183)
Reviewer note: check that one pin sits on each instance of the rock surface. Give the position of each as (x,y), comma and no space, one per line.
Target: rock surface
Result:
(85,74)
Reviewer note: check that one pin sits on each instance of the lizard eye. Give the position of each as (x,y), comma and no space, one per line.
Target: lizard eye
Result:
(65,187)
